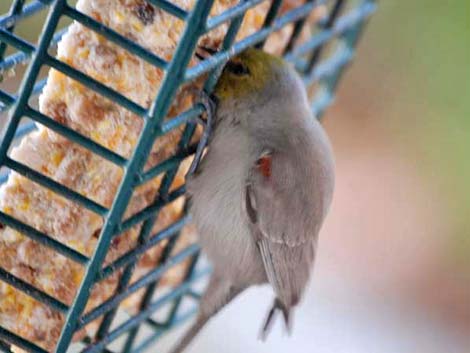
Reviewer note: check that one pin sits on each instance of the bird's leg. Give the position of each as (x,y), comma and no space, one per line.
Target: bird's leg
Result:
(209,107)
(219,292)
(203,52)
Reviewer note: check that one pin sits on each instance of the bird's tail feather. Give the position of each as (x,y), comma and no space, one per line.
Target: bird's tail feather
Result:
(190,334)
(218,293)
(278,306)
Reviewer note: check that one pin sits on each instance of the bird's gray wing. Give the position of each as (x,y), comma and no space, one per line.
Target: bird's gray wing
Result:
(284,219)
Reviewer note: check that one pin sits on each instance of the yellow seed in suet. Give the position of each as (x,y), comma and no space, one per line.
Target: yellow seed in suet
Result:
(57,157)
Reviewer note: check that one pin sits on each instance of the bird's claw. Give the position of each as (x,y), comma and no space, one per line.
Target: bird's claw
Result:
(203,52)
(209,107)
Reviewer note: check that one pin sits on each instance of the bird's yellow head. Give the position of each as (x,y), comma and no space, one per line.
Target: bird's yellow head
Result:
(248,73)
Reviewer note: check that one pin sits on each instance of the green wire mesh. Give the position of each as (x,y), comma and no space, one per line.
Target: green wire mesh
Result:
(342,24)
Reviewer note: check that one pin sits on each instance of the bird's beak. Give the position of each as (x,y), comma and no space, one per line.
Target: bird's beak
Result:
(203,52)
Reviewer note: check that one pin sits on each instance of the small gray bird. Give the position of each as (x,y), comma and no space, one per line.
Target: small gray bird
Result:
(262,191)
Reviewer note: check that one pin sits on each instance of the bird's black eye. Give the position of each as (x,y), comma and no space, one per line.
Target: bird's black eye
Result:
(237,68)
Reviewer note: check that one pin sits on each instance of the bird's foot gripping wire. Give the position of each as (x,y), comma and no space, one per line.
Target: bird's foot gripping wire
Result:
(203,52)
(209,104)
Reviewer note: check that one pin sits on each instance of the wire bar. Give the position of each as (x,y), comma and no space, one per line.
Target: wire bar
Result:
(142,316)
(15,9)
(36,90)
(42,238)
(29,10)
(158,111)
(16,42)
(18,341)
(155,324)
(343,24)
(6,99)
(12,99)
(330,66)
(141,283)
(96,86)
(188,276)
(18,58)
(145,345)
(30,77)
(232,31)
(133,255)
(272,13)
(76,137)
(25,129)
(170,8)
(166,165)
(115,37)
(150,210)
(230,14)
(338,6)
(223,56)
(32,291)
(5,348)
(349,39)
(182,118)
(55,186)
(151,287)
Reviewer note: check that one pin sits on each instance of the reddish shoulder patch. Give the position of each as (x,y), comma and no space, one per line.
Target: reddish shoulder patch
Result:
(264,165)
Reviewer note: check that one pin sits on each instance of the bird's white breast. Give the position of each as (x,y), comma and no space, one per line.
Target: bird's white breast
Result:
(218,207)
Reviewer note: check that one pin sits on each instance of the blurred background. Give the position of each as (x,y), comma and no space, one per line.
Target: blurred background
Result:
(393,267)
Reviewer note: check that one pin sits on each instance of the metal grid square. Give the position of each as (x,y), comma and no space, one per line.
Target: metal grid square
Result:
(318,66)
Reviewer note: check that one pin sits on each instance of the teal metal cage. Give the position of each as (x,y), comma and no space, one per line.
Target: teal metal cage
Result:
(343,23)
